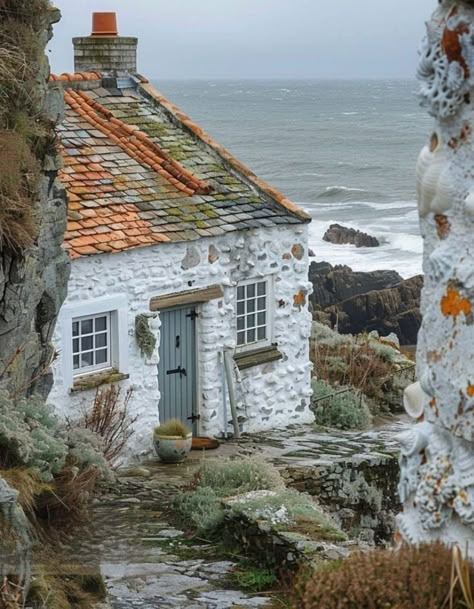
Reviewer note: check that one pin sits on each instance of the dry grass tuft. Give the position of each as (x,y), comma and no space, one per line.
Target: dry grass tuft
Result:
(58,583)
(25,134)
(67,500)
(29,485)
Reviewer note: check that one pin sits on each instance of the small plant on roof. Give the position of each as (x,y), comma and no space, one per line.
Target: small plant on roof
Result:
(172,428)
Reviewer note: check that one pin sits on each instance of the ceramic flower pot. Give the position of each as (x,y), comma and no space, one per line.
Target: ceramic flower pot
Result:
(172,449)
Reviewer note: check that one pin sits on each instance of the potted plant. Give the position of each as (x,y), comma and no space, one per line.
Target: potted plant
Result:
(172,441)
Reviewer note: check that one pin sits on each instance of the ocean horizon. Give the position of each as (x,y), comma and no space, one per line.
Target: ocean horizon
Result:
(344,150)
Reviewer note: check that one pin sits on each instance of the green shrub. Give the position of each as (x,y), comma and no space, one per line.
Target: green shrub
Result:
(228,478)
(202,508)
(217,479)
(255,579)
(173,427)
(30,437)
(413,577)
(348,410)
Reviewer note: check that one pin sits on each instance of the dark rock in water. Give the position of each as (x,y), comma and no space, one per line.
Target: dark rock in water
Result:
(362,302)
(332,284)
(311,253)
(341,235)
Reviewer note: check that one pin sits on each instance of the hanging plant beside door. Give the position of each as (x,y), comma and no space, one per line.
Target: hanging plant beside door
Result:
(145,338)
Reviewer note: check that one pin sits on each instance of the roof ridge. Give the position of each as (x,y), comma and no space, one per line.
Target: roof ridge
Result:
(145,87)
(76,77)
(135,143)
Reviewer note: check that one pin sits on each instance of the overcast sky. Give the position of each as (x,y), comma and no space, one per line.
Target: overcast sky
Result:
(257,38)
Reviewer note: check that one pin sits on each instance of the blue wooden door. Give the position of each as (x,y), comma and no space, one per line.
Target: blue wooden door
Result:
(177,367)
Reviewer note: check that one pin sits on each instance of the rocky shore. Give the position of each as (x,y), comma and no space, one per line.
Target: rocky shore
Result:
(365,301)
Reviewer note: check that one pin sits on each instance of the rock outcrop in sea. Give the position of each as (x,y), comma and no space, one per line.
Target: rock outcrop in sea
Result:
(361,302)
(339,234)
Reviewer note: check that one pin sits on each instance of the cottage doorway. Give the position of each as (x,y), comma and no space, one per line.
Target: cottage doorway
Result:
(177,368)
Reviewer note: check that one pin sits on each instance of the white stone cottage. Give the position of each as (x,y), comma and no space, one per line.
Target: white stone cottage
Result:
(163,222)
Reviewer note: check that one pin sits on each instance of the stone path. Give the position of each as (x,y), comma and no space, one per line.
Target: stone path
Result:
(303,446)
(146,563)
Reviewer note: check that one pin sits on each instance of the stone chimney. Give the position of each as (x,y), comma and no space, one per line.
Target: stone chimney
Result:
(104,50)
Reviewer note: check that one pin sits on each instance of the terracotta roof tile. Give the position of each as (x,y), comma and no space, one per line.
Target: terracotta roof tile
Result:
(127,190)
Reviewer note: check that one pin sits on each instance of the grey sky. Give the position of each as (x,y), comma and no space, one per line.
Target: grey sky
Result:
(258,38)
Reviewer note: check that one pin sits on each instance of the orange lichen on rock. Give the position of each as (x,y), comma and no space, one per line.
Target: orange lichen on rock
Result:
(470,391)
(442,226)
(299,300)
(451,44)
(453,304)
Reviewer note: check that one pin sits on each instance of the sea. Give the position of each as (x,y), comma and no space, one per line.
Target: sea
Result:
(345,151)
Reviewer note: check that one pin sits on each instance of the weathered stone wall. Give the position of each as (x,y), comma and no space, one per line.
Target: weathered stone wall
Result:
(270,395)
(34,285)
(361,494)
(437,479)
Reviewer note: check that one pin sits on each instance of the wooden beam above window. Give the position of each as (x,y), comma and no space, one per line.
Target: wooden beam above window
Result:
(189,297)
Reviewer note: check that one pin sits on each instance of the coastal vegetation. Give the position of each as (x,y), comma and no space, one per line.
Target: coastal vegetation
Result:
(356,378)
(429,576)
(202,506)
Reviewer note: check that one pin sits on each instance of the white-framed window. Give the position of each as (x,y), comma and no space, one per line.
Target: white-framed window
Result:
(253,314)
(94,337)
(91,343)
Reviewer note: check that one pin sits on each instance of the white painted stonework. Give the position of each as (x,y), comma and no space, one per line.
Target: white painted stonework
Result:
(270,395)
(437,462)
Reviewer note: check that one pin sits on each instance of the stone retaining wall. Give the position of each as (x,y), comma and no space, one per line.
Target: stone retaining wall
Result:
(361,494)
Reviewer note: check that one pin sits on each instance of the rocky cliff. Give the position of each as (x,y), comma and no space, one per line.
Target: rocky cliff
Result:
(362,302)
(33,279)
(33,267)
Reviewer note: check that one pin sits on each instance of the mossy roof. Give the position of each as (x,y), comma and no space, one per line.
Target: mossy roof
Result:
(140,172)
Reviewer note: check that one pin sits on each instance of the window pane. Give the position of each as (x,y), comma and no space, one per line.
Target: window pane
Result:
(261,319)
(251,290)
(241,338)
(262,333)
(262,303)
(240,293)
(86,343)
(100,324)
(250,306)
(75,328)
(86,326)
(240,323)
(240,308)
(101,340)
(251,336)
(87,359)
(251,321)
(261,288)
(75,361)
(75,345)
(101,356)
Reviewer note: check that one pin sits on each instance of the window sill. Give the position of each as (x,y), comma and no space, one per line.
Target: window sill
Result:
(92,381)
(249,359)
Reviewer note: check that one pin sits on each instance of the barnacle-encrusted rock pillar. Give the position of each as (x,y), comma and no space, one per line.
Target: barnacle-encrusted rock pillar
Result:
(437,462)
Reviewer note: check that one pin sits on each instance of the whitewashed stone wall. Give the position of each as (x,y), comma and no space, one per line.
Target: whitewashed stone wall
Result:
(437,463)
(270,395)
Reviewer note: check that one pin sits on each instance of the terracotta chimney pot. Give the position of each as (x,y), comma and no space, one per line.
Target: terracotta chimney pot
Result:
(104,24)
